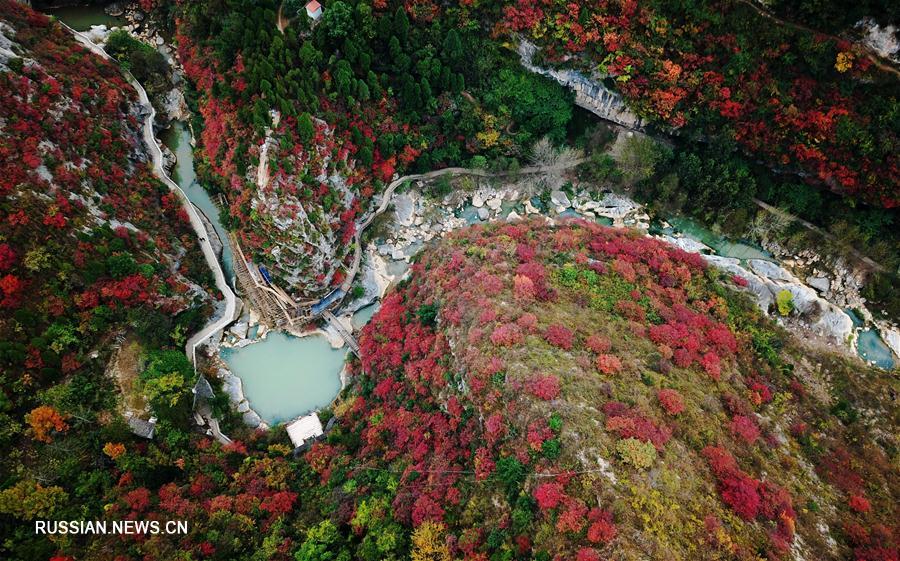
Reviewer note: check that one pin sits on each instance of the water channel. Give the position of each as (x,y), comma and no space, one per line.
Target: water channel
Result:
(282,376)
(177,138)
(81,18)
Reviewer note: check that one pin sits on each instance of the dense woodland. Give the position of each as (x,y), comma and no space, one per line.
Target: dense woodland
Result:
(801,120)
(370,92)
(532,392)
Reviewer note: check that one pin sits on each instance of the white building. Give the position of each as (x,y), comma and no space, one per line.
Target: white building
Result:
(304,429)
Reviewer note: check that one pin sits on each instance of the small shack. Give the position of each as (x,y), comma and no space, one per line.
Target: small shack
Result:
(314,10)
(305,430)
(142,428)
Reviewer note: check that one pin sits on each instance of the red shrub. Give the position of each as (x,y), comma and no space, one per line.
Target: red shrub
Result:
(138,500)
(745,428)
(711,365)
(741,493)
(538,433)
(507,335)
(523,288)
(559,336)
(759,392)
(859,503)
(545,387)
(528,322)
(524,252)
(608,364)
(572,519)
(7,257)
(598,344)
(632,425)
(671,401)
(720,460)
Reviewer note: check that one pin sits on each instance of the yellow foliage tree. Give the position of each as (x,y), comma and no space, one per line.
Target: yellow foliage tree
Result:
(28,500)
(114,449)
(44,419)
(844,62)
(428,543)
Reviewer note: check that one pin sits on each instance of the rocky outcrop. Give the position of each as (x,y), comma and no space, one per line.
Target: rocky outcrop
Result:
(169,158)
(9,49)
(175,107)
(590,93)
(833,277)
(766,279)
(620,209)
(883,40)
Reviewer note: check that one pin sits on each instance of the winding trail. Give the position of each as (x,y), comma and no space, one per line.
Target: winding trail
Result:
(231,307)
(874,57)
(867,261)
(453,172)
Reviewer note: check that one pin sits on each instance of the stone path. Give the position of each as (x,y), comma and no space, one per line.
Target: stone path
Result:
(231,307)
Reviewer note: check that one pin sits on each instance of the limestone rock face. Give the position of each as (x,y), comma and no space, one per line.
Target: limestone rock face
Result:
(175,106)
(822,284)
(590,93)
(404,209)
(891,337)
(239,329)
(688,244)
(232,386)
(251,419)
(559,198)
(769,270)
(169,158)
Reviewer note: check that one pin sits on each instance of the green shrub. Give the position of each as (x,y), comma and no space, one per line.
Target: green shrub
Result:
(636,452)
(784,300)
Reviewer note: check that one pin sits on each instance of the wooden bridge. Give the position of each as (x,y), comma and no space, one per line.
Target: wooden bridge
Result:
(275,306)
(273,303)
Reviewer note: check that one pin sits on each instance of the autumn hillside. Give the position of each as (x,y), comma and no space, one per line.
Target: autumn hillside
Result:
(94,250)
(580,392)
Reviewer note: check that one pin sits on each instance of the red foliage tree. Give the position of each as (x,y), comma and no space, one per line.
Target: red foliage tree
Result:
(601,529)
(549,495)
